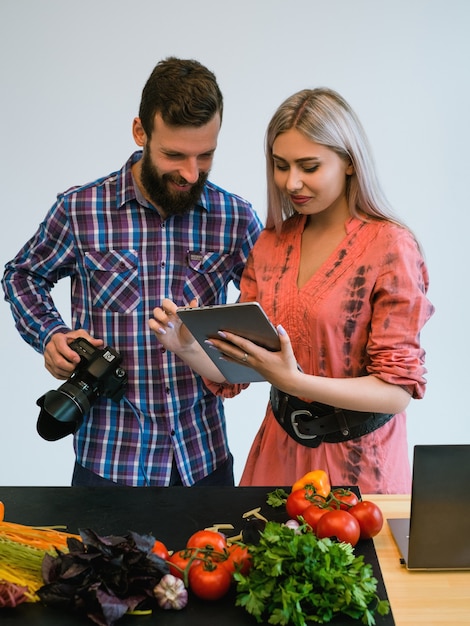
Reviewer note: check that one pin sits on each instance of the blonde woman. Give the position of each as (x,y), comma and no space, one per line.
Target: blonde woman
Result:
(345,282)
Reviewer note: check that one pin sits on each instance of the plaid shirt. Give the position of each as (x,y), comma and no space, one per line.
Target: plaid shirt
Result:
(123,259)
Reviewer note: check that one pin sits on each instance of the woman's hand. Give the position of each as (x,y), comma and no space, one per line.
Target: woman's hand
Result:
(168,328)
(278,368)
(175,337)
(364,393)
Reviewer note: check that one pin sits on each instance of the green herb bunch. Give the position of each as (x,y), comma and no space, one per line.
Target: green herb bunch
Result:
(298,579)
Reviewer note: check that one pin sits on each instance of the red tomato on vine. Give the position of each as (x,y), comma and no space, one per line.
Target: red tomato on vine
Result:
(339,524)
(209,580)
(370,518)
(178,562)
(207,540)
(160,550)
(343,499)
(312,515)
(296,503)
(239,559)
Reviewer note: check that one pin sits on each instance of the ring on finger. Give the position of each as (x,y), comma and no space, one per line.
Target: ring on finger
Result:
(245,357)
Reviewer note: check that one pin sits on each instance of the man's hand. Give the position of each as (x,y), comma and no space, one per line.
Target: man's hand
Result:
(59,358)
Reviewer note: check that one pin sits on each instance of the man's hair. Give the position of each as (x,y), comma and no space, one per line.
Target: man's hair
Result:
(183,91)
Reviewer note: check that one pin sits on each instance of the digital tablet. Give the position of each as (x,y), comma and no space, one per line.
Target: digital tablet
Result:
(246,319)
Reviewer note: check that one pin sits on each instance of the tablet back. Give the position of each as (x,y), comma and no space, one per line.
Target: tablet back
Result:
(246,319)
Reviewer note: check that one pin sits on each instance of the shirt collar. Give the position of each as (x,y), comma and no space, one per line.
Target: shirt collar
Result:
(125,189)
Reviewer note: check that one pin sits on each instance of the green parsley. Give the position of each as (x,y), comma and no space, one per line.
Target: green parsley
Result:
(277,498)
(297,579)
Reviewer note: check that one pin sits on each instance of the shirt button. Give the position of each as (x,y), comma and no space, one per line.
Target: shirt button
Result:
(172,433)
(167,389)
(162,264)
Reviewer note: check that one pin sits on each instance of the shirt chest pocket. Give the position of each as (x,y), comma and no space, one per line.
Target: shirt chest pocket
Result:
(207,276)
(114,279)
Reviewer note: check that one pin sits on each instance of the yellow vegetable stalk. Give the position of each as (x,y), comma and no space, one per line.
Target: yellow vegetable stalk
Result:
(45,538)
(21,565)
(22,550)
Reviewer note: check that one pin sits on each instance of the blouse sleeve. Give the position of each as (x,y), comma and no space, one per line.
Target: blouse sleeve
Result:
(400,310)
(226,389)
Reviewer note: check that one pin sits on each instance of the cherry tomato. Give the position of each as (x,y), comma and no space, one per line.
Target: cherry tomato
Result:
(339,524)
(160,550)
(209,580)
(296,503)
(370,518)
(343,499)
(180,559)
(207,540)
(312,514)
(239,559)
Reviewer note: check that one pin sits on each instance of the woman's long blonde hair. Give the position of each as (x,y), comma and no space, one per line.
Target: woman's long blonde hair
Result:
(324,117)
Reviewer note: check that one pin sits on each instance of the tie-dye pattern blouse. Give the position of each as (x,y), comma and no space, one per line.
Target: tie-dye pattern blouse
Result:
(361,313)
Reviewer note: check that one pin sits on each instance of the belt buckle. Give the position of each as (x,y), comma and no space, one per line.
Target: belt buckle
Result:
(295,426)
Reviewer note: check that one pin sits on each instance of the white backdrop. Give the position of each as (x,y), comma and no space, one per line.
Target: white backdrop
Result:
(71,75)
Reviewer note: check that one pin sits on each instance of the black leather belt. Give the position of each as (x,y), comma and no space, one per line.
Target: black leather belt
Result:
(311,423)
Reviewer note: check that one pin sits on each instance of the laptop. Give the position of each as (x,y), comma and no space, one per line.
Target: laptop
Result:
(437,534)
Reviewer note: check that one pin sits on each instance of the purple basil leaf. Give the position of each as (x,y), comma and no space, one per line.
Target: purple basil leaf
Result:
(113,608)
(144,543)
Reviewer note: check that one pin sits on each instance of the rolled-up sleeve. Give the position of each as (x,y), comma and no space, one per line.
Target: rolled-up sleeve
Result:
(400,310)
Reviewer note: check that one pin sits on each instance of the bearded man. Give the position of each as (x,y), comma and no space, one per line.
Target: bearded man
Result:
(156,227)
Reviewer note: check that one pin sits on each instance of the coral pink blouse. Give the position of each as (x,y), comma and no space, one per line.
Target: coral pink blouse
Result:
(361,313)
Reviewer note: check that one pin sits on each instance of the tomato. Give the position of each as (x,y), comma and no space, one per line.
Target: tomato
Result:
(239,559)
(296,503)
(370,518)
(180,559)
(209,580)
(207,540)
(343,499)
(339,524)
(160,550)
(318,479)
(312,514)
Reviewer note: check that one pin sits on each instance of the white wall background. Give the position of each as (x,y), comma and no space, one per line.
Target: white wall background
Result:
(71,74)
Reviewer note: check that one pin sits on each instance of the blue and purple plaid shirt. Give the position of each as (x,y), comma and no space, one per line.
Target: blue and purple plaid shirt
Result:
(123,259)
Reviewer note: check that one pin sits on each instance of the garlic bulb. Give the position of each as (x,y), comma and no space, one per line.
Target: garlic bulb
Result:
(171,593)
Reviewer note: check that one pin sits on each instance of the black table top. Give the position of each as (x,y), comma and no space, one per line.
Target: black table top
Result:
(170,514)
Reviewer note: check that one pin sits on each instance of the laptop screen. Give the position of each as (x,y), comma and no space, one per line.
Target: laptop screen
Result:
(439,536)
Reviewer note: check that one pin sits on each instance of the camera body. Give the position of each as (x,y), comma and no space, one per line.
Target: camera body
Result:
(99,373)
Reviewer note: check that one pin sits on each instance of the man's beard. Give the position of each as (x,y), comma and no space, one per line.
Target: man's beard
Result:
(159,193)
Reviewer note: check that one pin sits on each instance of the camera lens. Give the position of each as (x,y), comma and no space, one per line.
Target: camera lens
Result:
(62,411)
(98,374)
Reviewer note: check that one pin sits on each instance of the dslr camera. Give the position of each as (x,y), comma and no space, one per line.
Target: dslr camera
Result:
(99,373)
